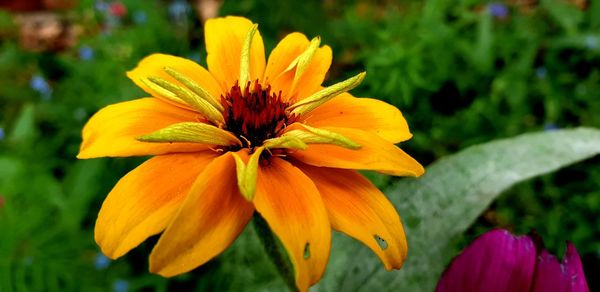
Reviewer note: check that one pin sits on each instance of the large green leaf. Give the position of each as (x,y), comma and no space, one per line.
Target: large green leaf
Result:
(443,203)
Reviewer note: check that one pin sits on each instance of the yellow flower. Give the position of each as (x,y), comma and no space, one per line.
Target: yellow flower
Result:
(248,135)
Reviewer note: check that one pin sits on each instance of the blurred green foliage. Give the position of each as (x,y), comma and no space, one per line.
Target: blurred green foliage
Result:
(462,72)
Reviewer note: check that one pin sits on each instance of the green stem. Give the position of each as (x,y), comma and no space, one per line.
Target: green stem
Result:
(275,251)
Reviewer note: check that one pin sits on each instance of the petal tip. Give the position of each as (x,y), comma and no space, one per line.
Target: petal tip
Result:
(158,265)
(420,171)
(159,270)
(110,251)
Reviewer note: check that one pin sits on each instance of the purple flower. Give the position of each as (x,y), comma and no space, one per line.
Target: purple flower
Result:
(86,53)
(498,10)
(2,134)
(500,261)
(554,276)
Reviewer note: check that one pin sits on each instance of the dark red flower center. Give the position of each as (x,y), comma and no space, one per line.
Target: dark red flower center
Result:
(254,114)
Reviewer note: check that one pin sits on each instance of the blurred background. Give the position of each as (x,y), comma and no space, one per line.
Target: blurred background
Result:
(462,72)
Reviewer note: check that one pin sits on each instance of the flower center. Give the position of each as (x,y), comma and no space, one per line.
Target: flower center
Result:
(254,114)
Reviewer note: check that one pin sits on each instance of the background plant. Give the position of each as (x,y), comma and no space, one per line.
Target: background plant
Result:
(463,73)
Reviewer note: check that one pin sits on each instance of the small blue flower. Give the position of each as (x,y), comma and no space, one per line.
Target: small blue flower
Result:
(498,10)
(591,42)
(101,6)
(112,22)
(2,134)
(196,57)
(79,114)
(120,286)
(541,72)
(551,127)
(86,53)
(178,11)
(39,84)
(101,262)
(139,17)
(28,260)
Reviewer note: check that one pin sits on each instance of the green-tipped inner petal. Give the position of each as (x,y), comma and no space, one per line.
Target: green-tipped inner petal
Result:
(162,92)
(303,60)
(319,136)
(285,141)
(192,132)
(190,98)
(245,58)
(195,88)
(247,173)
(312,102)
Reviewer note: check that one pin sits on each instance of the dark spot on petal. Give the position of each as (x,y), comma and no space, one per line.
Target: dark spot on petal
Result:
(382,243)
(307,251)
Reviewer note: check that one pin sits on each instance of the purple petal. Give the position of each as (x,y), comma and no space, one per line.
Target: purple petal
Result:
(496,261)
(567,276)
(498,10)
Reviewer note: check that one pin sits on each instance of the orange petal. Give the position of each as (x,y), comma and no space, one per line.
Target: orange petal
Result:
(366,114)
(357,208)
(312,78)
(224,40)
(113,130)
(375,153)
(290,203)
(145,200)
(210,219)
(154,65)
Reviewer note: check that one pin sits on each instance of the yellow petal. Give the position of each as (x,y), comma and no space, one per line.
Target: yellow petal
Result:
(113,130)
(290,203)
(154,65)
(375,153)
(357,208)
(144,201)
(209,220)
(192,132)
(366,114)
(224,41)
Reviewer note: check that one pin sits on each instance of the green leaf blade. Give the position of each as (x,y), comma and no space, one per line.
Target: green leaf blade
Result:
(441,205)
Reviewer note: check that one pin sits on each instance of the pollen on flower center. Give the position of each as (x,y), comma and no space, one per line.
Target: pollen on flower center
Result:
(254,114)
